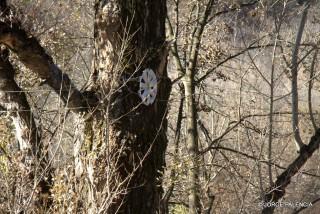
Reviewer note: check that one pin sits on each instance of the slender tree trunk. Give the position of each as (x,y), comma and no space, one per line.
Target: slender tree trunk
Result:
(294,81)
(192,144)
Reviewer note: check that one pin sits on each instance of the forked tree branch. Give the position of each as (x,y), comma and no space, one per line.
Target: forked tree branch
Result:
(197,36)
(34,57)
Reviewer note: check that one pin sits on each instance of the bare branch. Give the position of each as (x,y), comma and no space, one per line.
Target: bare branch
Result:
(243,5)
(277,191)
(259,160)
(174,48)
(196,37)
(211,70)
(294,71)
(34,57)
(235,125)
(310,90)
(303,208)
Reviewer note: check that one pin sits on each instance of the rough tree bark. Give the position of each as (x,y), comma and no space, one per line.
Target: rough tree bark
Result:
(129,37)
(14,101)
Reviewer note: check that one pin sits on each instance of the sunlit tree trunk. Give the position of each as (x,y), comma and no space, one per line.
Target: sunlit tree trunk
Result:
(192,143)
(130,37)
(33,155)
(122,147)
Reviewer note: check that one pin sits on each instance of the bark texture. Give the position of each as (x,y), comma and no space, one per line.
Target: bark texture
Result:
(129,137)
(192,143)
(14,101)
(130,37)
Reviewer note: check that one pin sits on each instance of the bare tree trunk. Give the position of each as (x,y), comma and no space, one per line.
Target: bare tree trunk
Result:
(294,81)
(188,72)
(130,37)
(310,85)
(129,135)
(192,144)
